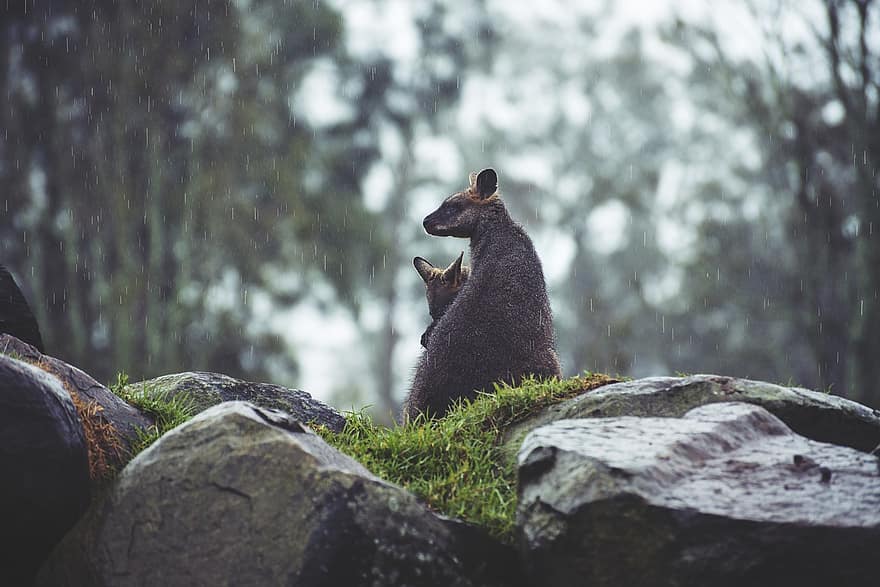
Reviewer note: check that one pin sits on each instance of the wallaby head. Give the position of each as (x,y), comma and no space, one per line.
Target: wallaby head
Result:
(461,213)
(441,285)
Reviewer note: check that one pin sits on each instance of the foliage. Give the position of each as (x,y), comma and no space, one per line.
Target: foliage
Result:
(155,171)
(168,411)
(707,205)
(455,463)
(811,272)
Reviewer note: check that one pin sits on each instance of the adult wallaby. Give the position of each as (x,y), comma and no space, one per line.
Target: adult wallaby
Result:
(441,287)
(499,327)
(15,314)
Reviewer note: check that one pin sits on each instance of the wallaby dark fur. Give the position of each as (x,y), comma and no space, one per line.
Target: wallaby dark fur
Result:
(441,287)
(16,318)
(499,327)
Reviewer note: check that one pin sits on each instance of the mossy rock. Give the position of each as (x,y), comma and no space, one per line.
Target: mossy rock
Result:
(203,390)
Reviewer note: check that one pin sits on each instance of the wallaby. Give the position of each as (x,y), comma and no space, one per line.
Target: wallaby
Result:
(441,287)
(499,327)
(15,314)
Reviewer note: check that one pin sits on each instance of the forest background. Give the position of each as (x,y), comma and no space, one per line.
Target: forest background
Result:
(238,185)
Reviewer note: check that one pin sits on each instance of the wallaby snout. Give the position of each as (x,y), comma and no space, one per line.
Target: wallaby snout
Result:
(461,213)
(442,221)
(430,225)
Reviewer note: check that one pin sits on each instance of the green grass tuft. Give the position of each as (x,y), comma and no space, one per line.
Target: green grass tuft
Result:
(455,463)
(167,411)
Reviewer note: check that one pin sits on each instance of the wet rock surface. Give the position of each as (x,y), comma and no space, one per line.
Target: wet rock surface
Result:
(819,416)
(43,466)
(209,389)
(726,495)
(242,495)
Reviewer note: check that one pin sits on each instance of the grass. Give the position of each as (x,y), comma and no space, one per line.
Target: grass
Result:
(13,355)
(455,463)
(168,411)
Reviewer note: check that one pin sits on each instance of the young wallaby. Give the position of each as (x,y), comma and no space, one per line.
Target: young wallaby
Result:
(500,327)
(441,287)
(15,314)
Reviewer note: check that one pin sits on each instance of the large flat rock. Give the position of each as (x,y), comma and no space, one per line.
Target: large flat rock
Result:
(726,495)
(819,416)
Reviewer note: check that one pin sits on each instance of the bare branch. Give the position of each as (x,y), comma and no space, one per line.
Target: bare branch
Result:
(864,69)
(832,45)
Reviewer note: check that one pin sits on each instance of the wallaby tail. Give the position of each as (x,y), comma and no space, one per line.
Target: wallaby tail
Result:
(16,318)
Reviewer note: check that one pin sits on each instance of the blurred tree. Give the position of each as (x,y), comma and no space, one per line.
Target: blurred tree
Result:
(157,178)
(736,313)
(618,158)
(813,104)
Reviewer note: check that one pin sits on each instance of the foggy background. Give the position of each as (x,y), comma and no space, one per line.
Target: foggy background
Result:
(238,186)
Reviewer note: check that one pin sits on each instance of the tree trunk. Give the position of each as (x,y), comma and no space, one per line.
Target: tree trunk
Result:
(395,214)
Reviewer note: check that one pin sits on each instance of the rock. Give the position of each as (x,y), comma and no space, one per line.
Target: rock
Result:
(16,318)
(43,465)
(111,424)
(726,495)
(242,495)
(819,416)
(209,389)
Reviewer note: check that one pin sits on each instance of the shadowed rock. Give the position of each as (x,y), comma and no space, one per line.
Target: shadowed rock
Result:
(16,317)
(727,495)
(44,468)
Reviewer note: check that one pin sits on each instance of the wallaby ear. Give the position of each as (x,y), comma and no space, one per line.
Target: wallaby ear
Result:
(453,272)
(487,183)
(472,178)
(424,268)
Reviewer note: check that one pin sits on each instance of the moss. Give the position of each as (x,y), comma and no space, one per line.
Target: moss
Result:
(12,354)
(166,410)
(455,464)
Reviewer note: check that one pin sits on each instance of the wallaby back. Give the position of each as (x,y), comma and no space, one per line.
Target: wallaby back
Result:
(499,327)
(441,287)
